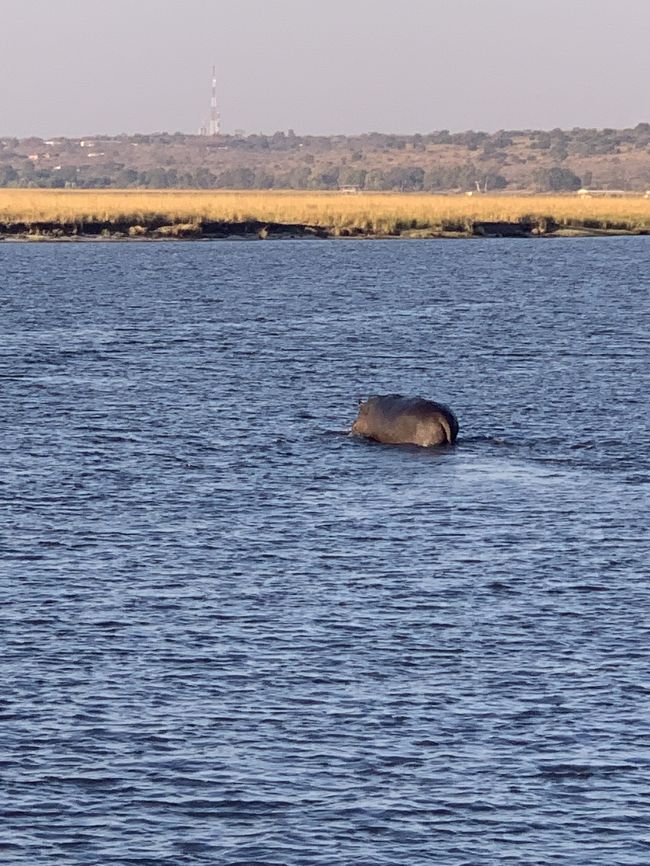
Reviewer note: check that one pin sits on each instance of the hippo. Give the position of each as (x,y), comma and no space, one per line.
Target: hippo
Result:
(397,420)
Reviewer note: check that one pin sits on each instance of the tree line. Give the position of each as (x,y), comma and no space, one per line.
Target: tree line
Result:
(576,142)
(395,179)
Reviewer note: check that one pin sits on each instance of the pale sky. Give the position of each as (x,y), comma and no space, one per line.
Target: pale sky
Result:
(83,67)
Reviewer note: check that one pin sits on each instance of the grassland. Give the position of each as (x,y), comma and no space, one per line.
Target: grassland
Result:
(35,213)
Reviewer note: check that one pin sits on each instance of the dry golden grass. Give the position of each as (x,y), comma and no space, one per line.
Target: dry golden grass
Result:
(371,212)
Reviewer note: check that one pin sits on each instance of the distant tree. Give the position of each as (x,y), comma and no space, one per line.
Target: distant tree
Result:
(156,178)
(328,178)
(8,175)
(94,181)
(257,142)
(376,140)
(469,139)
(466,176)
(352,177)
(494,181)
(594,142)
(556,179)
(375,180)
(441,137)
(558,151)
(404,178)
(558,136)
(433,179)
(278,141)
(127,177)
(500,139)
(263,179)
(236,178)
(541,141)
(203,178)
(394,142)
(298,177)
(26,174)
(418,142)
(641,134)
(64,177)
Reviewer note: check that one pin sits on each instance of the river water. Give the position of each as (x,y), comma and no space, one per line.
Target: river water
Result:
(232,634)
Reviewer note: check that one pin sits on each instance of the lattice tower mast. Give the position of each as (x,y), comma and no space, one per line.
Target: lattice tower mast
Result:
(214,124)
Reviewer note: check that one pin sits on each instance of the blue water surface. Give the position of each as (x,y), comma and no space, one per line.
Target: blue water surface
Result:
(231,634)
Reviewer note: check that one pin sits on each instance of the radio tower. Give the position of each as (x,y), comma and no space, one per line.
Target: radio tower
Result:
(213,122)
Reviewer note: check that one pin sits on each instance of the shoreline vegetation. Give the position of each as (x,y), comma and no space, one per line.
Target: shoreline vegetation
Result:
(554,161)
(69,215)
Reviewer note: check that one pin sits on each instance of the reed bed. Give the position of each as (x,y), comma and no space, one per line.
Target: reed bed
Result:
(373,213)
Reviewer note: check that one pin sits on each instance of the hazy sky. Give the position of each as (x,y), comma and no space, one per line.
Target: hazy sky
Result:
(78,67)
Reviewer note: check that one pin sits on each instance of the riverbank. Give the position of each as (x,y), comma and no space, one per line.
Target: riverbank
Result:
(109,231)
(68,215)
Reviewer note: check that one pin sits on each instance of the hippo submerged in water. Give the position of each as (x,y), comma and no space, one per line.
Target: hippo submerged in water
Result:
(397,420)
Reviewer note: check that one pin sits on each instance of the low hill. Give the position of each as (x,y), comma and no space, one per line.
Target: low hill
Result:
(529,160)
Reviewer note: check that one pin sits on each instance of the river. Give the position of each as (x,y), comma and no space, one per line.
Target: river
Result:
(231,634)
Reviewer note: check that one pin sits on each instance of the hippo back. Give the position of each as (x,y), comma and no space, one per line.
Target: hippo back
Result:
(395,419)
